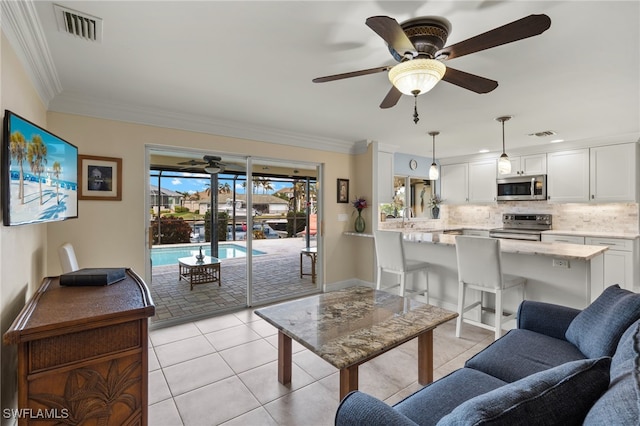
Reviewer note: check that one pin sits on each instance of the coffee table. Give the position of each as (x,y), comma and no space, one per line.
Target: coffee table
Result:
(199,272)
(349,327)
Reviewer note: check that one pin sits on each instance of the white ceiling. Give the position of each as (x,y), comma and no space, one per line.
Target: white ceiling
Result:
(244,69)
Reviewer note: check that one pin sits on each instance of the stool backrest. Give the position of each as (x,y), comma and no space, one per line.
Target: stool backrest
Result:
(67,257)
(389,250)
(479,261)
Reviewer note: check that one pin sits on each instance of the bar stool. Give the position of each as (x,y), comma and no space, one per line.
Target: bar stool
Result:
(391,258)
(480,268)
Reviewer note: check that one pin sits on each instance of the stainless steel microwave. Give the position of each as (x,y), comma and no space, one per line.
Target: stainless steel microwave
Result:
(522,188)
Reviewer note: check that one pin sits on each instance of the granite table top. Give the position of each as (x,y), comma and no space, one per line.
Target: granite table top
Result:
(350,326)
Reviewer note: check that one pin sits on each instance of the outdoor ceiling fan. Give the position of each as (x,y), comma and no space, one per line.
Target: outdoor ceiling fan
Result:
(417,44)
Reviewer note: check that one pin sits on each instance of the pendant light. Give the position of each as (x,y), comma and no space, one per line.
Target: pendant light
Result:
(434,174)
(504,164)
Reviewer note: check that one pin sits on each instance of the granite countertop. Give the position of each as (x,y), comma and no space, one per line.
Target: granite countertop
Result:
(596,234)
(559,250)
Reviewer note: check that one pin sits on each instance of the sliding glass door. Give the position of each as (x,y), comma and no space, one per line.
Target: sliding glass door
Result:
(226,232)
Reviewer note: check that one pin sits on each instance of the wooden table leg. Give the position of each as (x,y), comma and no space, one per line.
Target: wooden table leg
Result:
(425,357)
(285,359)
(313,268)
(348,380)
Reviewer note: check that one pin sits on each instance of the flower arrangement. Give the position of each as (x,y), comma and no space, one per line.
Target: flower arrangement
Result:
(435,201)
(360,203)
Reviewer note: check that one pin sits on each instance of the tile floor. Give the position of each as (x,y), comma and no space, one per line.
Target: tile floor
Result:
(223,370)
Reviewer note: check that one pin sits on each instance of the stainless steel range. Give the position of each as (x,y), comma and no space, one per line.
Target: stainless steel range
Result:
(518,226)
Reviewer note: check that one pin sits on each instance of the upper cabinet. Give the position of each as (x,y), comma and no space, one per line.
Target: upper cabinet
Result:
(613,173)
(454,183)
(568,178)
(473,182)
(528,165)
(482,181)
(602,174)
(385,177)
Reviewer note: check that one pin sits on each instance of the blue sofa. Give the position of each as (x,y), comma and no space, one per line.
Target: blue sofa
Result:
(561,366)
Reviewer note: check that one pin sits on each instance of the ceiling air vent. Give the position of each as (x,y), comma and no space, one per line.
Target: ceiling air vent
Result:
(543,133)
(78,24)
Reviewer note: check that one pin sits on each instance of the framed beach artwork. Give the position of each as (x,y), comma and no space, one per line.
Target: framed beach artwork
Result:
(343,190)
(39,174)
(100,178)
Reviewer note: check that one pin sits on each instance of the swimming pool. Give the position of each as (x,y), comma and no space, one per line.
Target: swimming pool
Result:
(169,255)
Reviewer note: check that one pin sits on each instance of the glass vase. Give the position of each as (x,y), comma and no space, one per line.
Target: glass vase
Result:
(359,223)
(435,212)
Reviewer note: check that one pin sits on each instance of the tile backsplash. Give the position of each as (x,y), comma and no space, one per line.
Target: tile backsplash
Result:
(611,217)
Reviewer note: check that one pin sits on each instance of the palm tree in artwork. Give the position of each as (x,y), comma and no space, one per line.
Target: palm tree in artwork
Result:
(37,157)
(57,169)
(18,150)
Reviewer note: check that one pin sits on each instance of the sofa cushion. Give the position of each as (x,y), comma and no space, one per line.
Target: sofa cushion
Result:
(558,396)
(520,353)
(358,408)
(620,405)
(431,403)
(597,329)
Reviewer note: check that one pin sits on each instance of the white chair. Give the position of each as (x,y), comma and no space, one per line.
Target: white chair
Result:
(480,268)
(67,258)
(391,258)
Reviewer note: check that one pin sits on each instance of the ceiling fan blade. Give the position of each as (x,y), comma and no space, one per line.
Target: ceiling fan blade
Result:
(351,74)
(392,98)
(529,26)
(391,32)
(472,82)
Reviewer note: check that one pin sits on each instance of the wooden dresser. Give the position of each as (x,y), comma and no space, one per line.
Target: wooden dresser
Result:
(82,354)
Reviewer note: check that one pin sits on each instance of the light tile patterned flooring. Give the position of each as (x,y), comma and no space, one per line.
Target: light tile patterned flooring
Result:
(223,370)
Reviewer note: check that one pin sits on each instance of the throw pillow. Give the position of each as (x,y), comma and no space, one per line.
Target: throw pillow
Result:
(561,395)
(598,328)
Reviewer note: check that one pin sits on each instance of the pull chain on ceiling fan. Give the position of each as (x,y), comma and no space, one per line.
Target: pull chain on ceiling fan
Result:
(418,45)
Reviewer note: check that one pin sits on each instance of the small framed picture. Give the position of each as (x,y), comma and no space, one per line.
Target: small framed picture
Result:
(343,190)
(100,178)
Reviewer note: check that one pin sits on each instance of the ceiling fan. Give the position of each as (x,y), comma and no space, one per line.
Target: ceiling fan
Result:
(212,165)
(417,44)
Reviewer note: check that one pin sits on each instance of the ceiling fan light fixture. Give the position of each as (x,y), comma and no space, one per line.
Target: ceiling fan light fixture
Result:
(416,75)
(213,169)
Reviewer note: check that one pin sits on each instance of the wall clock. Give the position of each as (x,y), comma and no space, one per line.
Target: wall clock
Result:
(413,164)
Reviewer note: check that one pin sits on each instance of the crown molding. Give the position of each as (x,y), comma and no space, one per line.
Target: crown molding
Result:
(80,105)
(21,25)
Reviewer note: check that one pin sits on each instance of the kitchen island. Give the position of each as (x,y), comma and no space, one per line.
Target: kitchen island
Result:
(561,273)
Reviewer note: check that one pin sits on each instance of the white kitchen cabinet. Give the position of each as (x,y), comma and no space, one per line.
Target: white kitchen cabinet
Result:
(527,165)
(571,239)
(568,176)
(454,183)
(385,177)
(619,265)
(475,232)
(482,181)
(613,173)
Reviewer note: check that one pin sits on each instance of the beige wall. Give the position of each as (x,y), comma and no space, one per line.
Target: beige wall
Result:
(23,249)
(112,233)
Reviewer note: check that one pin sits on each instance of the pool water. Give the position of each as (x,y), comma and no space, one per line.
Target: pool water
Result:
(169,255)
